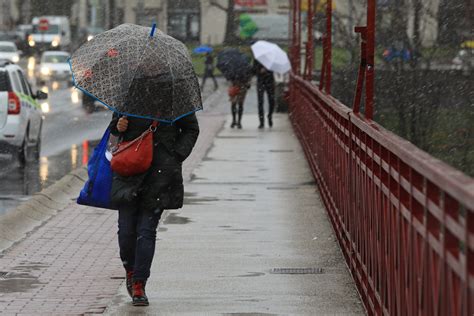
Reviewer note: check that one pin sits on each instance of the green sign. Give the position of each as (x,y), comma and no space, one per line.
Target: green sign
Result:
(248,27)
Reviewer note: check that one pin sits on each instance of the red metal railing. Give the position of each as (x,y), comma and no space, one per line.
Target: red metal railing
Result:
(404,219)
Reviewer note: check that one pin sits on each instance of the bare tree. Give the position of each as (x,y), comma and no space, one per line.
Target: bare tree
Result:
(344,26)
(231,24)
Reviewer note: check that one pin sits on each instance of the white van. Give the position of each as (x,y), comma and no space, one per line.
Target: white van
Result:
(49,33)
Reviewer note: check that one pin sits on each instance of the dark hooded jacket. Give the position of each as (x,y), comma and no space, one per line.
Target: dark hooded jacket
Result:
(162,185)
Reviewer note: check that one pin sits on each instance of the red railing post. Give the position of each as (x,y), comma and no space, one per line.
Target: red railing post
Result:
(309,63)
(370,55)
(326,68)
(367,63)
(297,52)
(362,66)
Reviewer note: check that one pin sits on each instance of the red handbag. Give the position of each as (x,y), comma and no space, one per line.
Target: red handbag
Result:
(233,91)
(134,157)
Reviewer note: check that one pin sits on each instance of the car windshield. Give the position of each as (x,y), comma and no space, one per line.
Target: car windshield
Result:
(7,48)
(55,59)
(52,29)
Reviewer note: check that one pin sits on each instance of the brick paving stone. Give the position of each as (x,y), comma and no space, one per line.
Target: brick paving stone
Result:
(71,264)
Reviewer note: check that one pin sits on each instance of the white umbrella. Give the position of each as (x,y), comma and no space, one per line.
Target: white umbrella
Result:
(271,56)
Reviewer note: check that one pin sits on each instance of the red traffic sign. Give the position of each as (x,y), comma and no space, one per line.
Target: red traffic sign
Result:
(43,25)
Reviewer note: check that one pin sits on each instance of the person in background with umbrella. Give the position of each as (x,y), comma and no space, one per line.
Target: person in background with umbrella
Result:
(236,68)
(269,58)
(145,78)
(209,71)
(237,93)
(265,83)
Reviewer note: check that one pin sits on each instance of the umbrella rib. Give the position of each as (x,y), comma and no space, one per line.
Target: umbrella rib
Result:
(172,79)
(147,43)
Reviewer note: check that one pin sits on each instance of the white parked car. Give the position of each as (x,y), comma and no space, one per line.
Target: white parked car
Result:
(21,119)
(54,66)
(9,52)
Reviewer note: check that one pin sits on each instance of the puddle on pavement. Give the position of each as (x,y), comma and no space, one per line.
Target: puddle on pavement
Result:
(198,201)
(194,177)
(21,279)
(30,266)
(249,314)
(18,183)
(203,200)
(250,275)
(237,137)
(247,275)
(173,218)
(18,282)
(292,186)
(238,230)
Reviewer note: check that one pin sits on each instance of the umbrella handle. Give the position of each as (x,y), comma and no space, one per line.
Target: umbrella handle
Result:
(153,28)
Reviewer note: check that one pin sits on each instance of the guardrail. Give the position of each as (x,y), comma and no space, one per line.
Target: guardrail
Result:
(404,220)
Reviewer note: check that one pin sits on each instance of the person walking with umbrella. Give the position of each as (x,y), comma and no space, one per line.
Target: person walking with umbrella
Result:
(269,58)
(150,84)
(236,68)
(237,93)
(208,67)
(265,84)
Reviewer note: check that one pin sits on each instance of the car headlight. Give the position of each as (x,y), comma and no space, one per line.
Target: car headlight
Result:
(16,58)
(45,107)
(55,43)
(31,43)
(90,37)
(45,71)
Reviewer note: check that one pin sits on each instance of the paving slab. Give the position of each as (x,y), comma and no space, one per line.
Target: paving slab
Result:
(251,207)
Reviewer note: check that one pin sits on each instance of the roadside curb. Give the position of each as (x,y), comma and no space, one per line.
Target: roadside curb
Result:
(18,223)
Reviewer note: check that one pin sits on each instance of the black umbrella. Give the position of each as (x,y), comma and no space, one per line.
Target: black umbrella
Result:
(234,65)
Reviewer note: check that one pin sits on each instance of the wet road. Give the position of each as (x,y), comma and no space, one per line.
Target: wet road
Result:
(69,134)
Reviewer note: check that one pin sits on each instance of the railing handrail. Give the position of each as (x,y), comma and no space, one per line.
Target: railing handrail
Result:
(459,185)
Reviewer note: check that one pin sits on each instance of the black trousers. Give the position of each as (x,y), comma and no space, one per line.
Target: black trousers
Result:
(137,238)
(209,74)
(269,88)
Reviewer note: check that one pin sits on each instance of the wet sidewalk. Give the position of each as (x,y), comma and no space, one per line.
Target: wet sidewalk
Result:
(253,237)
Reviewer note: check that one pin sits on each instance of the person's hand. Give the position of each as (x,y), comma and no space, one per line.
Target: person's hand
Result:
(122,124)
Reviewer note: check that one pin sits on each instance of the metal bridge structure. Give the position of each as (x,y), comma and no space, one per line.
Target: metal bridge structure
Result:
(404,220)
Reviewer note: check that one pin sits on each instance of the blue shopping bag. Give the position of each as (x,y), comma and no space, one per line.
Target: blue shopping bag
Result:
(96,191)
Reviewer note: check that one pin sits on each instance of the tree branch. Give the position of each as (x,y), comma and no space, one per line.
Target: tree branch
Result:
(218,5)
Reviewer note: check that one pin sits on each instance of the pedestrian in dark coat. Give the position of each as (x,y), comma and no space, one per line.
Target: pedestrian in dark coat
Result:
(209,71)
(141,199)
(237,93)
(265,83)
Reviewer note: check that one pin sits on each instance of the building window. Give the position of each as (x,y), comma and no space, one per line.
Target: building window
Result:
(184,20)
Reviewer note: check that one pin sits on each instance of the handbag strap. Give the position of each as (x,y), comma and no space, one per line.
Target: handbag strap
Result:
(150,129)
(153,126)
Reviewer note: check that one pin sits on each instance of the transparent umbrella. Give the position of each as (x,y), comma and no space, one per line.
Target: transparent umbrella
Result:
(138,71)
